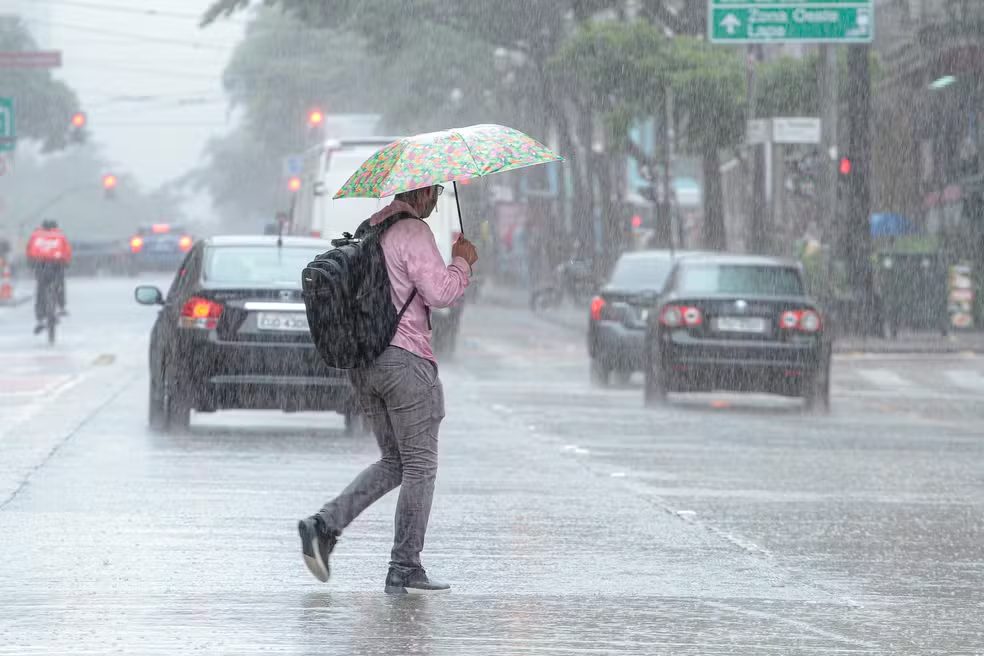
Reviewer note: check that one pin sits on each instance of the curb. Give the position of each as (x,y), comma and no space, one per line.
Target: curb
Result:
(19,300)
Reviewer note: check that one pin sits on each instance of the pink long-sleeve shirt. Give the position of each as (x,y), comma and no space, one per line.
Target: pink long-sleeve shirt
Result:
(414,262)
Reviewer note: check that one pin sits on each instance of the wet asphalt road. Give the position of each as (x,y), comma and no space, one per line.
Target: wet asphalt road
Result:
(570,520)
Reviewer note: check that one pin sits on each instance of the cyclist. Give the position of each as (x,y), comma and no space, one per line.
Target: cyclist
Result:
(49,253)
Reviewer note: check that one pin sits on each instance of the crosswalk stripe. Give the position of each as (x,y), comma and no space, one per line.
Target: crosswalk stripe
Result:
(966,378)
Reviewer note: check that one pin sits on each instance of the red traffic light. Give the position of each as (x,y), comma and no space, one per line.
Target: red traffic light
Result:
(845,166)
(78,120)
(316,117)
(294,184)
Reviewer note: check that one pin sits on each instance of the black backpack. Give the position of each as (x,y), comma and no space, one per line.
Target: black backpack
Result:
(348,298)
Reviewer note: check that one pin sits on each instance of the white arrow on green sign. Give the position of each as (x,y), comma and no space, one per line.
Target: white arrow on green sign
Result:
(8,128)
(780,21)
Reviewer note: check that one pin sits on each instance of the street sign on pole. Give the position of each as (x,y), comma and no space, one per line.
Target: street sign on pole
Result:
(796,130)
(31,59)
(781,21)
(293,165)
(759,131)
(8,126)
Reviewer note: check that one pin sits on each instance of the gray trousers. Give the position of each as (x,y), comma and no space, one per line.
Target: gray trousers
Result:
(402,397)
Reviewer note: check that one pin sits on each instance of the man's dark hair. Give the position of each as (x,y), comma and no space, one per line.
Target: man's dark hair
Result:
(411,196)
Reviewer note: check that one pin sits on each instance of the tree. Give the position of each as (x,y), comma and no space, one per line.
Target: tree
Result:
(44,106)
(709,88)
(285,66)
(619,71)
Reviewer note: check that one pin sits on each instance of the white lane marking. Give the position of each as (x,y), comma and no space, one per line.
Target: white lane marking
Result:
(884,378)
(966,378)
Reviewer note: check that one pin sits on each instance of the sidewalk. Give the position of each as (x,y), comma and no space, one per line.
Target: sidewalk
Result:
(576,318)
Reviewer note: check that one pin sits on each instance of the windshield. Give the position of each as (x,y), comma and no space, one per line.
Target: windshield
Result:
(746,280)
(257,264)
(640,273)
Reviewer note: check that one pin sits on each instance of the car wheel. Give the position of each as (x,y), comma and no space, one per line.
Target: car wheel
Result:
(817,394)
(600,373)
(654,388)
(177,407)
(156,411)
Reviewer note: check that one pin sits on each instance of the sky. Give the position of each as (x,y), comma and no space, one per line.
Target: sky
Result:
(149,80)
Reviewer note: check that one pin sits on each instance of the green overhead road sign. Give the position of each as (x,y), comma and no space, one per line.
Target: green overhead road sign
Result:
(8,132)
(778,21)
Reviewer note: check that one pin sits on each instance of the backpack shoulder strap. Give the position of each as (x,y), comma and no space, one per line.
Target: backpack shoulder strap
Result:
(382,227)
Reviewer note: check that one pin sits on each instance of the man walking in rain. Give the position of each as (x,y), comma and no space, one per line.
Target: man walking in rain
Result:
(402,398)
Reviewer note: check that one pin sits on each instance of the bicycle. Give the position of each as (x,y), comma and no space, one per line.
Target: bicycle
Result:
(49,309)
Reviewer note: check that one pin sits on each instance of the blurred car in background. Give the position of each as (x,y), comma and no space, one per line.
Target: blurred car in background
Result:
(159,247)
(737,323)
(104,257)
(617,326)
(233,334)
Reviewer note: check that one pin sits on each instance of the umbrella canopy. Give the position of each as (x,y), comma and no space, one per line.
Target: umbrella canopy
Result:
(891,225)
(452,155)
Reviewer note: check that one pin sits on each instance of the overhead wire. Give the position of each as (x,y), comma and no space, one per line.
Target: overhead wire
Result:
(144,38)
(155,13)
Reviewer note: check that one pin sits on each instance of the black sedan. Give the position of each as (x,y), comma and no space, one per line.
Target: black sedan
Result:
(619,313)
(737,323)
(233,333)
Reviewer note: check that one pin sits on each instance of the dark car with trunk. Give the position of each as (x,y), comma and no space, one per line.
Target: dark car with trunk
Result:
(233,334)
(619,313)
(737,323)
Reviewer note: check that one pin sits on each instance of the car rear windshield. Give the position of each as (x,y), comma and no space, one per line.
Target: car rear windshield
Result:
(753,280)
(641,273)
(257,264)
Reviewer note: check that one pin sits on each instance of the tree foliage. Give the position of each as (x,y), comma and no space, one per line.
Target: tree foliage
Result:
(44,105)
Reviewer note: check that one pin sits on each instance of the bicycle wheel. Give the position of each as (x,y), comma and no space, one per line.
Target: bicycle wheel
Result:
(50,313)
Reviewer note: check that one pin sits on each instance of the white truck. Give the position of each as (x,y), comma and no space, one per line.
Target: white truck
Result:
(315,213)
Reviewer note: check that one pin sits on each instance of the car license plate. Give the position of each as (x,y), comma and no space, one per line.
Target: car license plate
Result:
(741,325)
(288,321)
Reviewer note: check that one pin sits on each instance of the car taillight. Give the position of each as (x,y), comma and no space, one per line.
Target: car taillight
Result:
(597,306)
(806,321)
(136,244)
(185,243)
(200,313)
(674,316)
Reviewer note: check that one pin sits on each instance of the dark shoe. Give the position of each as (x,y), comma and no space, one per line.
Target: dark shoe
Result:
(317,543)
(413,582)
(38,329)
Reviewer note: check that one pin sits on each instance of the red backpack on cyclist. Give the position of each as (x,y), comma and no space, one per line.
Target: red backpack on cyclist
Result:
(49,245)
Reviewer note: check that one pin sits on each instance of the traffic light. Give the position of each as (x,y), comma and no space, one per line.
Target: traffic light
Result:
(109,183)
(78,120)
(845,167)
(316,118)
(294,184)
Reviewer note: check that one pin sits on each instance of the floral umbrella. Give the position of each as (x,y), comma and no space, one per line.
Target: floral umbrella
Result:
(451,155)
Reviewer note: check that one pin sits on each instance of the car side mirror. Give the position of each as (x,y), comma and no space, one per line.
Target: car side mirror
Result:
(148,295)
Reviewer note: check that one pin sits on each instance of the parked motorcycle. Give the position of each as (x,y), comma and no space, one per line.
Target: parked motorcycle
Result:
(574,279)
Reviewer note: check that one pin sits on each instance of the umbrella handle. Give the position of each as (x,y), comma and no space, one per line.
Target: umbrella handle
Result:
(457,203)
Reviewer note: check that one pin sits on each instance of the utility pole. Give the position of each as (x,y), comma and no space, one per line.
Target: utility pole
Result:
(665,210)
(857,233)
(758,209)
(829,152)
